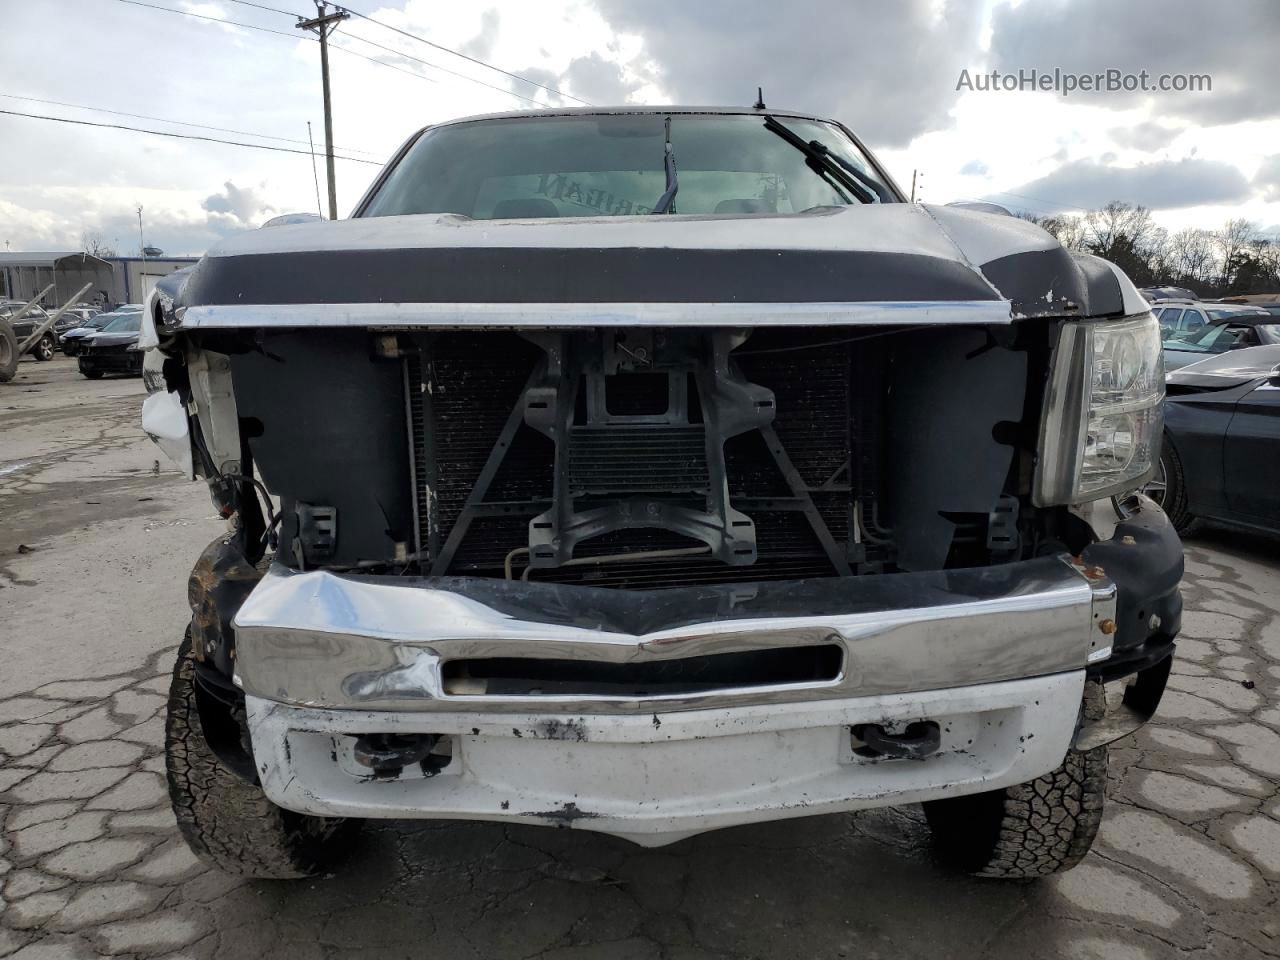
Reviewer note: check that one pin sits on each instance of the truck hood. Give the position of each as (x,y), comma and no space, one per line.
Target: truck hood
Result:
(874,263)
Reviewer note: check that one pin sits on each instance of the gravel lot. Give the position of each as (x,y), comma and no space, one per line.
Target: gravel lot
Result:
(96,539)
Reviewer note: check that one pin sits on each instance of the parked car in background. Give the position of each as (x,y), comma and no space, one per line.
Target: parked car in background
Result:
(25,325)
(1269,302)
(1232,328)
(1221,441)
(77,316)
(1180,317)
(114,348)
(1156,294)
(73,339)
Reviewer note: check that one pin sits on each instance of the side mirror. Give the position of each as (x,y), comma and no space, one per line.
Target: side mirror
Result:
(1274,377)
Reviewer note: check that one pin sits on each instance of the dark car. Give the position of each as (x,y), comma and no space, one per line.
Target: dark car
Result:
(1230,328)
(26,325)
(75,317)
(114,348)
(73,340)
(1222,441)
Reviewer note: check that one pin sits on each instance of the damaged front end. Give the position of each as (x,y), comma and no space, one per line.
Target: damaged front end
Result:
(652,568)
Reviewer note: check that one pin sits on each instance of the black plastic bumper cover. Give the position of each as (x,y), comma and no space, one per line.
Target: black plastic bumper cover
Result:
(1144,560)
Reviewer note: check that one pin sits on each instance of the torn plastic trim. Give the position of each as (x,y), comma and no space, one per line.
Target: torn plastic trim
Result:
(1123,715)
(559,315)
(215,407)
(164,420)
(221,580)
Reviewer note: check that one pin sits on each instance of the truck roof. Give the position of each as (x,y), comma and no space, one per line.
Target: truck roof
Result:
(664,110)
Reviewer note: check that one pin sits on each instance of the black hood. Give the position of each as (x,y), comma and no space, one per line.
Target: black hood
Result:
(122,338)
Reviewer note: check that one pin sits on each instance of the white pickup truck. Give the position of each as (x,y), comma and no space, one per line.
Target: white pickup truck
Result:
(651,471)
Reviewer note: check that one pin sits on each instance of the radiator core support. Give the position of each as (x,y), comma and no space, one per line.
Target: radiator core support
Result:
(636,458)
(606,461)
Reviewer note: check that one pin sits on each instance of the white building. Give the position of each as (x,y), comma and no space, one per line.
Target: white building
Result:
(114,279)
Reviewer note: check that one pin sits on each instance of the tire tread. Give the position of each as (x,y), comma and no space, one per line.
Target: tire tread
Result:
(227,821)
(1031,829)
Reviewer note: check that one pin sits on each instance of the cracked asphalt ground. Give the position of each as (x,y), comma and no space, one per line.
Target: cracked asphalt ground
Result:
(92,609)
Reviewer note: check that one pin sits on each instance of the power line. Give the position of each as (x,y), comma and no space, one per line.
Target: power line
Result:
(401,53)
(247,3)
(181,123)
(456,53)
(279,33)
(178,136)
(1058,206)
(436,66)
(203,16)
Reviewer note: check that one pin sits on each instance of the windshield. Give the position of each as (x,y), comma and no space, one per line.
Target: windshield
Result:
(586,166)
(124,323)
(1216,338)
(1238,364)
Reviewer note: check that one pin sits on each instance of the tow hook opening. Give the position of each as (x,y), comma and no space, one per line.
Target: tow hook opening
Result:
(920,739)
(388,754)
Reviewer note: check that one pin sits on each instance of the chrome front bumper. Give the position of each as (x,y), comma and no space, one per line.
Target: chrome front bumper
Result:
(373,643)
(995,658)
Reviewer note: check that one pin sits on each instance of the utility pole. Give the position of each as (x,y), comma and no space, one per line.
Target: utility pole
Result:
(142,244)
(324,24)
(913,185)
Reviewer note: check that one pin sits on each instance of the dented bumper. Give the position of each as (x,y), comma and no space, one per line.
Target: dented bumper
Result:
(327,640)
(657,778)
(656,715)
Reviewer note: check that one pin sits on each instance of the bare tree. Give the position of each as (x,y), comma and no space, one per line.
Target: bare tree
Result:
(1118,226)
(1232,241)
(1215,263)
(1192,259)
(1124,234)
(95,245)
(1066,228)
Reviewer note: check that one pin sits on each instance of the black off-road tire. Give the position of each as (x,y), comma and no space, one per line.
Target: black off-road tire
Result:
(8,352)
(1028,830)
(1175,494)
(227,821)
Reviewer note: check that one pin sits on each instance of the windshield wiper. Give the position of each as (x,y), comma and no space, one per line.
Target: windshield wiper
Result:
(666,202)
(824,161)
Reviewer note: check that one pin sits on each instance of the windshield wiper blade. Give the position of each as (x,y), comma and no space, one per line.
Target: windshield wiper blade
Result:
(666,202)
(824,161)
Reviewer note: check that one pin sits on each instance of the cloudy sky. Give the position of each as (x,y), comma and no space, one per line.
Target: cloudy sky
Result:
(889,71)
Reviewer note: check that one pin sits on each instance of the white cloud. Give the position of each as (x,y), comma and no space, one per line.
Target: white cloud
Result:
(242,203)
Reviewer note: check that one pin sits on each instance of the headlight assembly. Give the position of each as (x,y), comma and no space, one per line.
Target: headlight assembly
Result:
(1100,434)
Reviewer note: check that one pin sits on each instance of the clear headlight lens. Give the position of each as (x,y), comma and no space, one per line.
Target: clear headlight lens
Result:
(1102,421)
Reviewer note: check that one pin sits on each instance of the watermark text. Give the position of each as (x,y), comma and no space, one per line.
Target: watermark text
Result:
(1065,83)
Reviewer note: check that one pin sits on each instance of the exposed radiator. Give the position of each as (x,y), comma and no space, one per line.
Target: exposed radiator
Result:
(465,404)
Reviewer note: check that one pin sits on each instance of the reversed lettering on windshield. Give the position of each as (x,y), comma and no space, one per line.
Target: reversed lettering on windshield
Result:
(561,188)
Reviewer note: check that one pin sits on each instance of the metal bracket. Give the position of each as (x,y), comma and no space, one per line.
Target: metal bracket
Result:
(1002,526)
(730,405)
